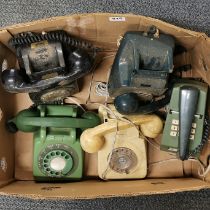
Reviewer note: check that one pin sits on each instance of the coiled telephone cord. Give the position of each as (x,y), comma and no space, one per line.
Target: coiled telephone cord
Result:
(59,35)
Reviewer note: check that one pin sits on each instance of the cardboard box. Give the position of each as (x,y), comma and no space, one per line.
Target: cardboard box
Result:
(102,30)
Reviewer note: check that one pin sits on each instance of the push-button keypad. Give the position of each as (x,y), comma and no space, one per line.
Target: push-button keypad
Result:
(175,129)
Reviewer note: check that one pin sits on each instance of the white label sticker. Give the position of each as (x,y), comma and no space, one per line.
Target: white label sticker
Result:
(101,89)
(117,19)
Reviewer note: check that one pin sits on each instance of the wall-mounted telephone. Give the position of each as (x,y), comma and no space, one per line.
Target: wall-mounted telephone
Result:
(140,71)
(124,157)
(50,63)
(57,128)
(186,129)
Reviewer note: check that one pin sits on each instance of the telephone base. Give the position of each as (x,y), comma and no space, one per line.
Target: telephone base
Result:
(131,163)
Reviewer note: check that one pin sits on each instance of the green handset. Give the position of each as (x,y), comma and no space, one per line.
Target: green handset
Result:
(57,128)
(186,127)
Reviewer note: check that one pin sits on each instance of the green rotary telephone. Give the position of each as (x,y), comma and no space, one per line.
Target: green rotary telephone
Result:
(57,129)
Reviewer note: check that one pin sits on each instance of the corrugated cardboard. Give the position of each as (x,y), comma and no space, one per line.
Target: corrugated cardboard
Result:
(103,31)
(99,189)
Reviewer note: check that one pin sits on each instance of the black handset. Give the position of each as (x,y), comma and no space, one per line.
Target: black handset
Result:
(129,103)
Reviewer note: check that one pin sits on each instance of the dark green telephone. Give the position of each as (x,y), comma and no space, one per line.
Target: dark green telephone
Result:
(57,128)
(186,127)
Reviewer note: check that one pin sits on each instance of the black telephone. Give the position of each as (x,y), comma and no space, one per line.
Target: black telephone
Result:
(50,63)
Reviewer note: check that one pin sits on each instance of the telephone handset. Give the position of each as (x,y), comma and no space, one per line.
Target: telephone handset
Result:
(50,63)
(188,102)
(185,128)
(92,140)
(121,155)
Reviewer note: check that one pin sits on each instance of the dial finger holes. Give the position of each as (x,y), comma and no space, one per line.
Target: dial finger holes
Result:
(52,153)
(67,157)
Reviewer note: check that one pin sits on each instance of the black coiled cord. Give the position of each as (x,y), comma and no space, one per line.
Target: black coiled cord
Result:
(61,36)
(204,139)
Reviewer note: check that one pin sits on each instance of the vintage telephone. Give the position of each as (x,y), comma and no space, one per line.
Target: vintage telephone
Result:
(124,157)
(186,127)
(140,71)
(50,64)
(57,128)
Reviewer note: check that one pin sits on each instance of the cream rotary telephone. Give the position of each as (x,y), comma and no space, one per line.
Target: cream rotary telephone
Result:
(121,149)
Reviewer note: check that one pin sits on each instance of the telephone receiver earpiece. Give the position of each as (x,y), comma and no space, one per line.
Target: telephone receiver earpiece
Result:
(12,78)
(92,140)
(130,104)
(80,60)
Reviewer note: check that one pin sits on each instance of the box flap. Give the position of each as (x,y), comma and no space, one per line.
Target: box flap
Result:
(99,189)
